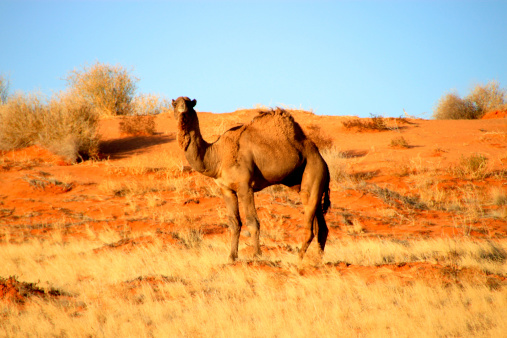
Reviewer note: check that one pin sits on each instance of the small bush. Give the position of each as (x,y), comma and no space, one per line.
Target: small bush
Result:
(66,125)
(472,167)
(147,104)
(486,98)
(108,89)
(452,107)
(71,128)
(399,142)
(482,99)
(376,123)
(137,125)
(21,120)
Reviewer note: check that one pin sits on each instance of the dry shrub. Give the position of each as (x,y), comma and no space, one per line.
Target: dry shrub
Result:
(21,120)
(482,99)
(472,167)
(108,89)
(399,142)
(320,139)
(148,104)
(71,130)
(452,106)
(66,125)
(137,125)
(376,123)
(487,97)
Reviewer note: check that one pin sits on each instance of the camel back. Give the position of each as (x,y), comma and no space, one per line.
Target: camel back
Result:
(278,121)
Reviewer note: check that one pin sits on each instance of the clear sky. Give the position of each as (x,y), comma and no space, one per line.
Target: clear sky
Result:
(334,57)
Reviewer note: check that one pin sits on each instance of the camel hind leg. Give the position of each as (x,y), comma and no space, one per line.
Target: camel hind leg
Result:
(312,190)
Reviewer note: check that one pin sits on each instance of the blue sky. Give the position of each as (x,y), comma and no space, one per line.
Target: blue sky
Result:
(334,57)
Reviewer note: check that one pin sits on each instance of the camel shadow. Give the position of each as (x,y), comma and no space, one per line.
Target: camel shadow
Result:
(127,146)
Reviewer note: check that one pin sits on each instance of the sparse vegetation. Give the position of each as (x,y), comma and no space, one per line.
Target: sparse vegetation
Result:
(375,123)
(399,142)
(472,167)
(134,244)
(482,99)
(108,89)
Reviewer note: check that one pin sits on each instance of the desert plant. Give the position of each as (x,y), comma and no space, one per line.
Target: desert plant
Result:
(452,106)
(487,97)
(481,100)
(472,167)
(4,89)
(21,119)
(148,104)
(108,89)
(138,125)
(66,125)
(376,122)
(399,142)
(70,129)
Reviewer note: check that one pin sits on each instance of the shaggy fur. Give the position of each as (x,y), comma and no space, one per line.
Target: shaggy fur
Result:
(271,149)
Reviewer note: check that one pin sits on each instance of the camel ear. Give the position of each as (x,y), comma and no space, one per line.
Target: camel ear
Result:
(194,102)
(174,104)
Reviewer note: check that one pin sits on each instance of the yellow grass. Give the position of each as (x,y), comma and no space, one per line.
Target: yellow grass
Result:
(194,293)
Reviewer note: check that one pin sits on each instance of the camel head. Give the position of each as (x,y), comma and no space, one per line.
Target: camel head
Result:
(183,106)
(186,117)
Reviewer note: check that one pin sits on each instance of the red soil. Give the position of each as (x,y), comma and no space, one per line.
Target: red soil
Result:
(81,204)
(497,114)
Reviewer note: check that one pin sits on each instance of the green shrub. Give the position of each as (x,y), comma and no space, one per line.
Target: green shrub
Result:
(108,89)
(482,99)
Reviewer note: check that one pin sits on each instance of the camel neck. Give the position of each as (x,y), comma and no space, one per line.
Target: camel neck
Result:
(201,155)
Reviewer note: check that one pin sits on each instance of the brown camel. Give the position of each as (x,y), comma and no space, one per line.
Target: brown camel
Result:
(271,149)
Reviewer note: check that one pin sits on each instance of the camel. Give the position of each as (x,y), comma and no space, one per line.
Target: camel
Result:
(271,149)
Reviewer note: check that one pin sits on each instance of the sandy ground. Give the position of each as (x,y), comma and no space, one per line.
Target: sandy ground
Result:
(405,192)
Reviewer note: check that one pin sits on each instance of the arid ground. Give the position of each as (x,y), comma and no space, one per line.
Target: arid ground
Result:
(135,243)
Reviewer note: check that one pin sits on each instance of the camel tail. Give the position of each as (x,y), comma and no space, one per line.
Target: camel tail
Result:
(326,202)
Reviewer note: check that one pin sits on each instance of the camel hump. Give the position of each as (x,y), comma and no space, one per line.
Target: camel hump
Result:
(279,121)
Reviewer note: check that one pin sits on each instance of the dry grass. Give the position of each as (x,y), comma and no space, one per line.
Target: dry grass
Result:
(167,290)
(375,123)
(399,142)
(474,167)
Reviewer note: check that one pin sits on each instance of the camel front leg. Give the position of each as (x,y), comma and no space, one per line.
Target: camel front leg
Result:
(246,195)
(231,202)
